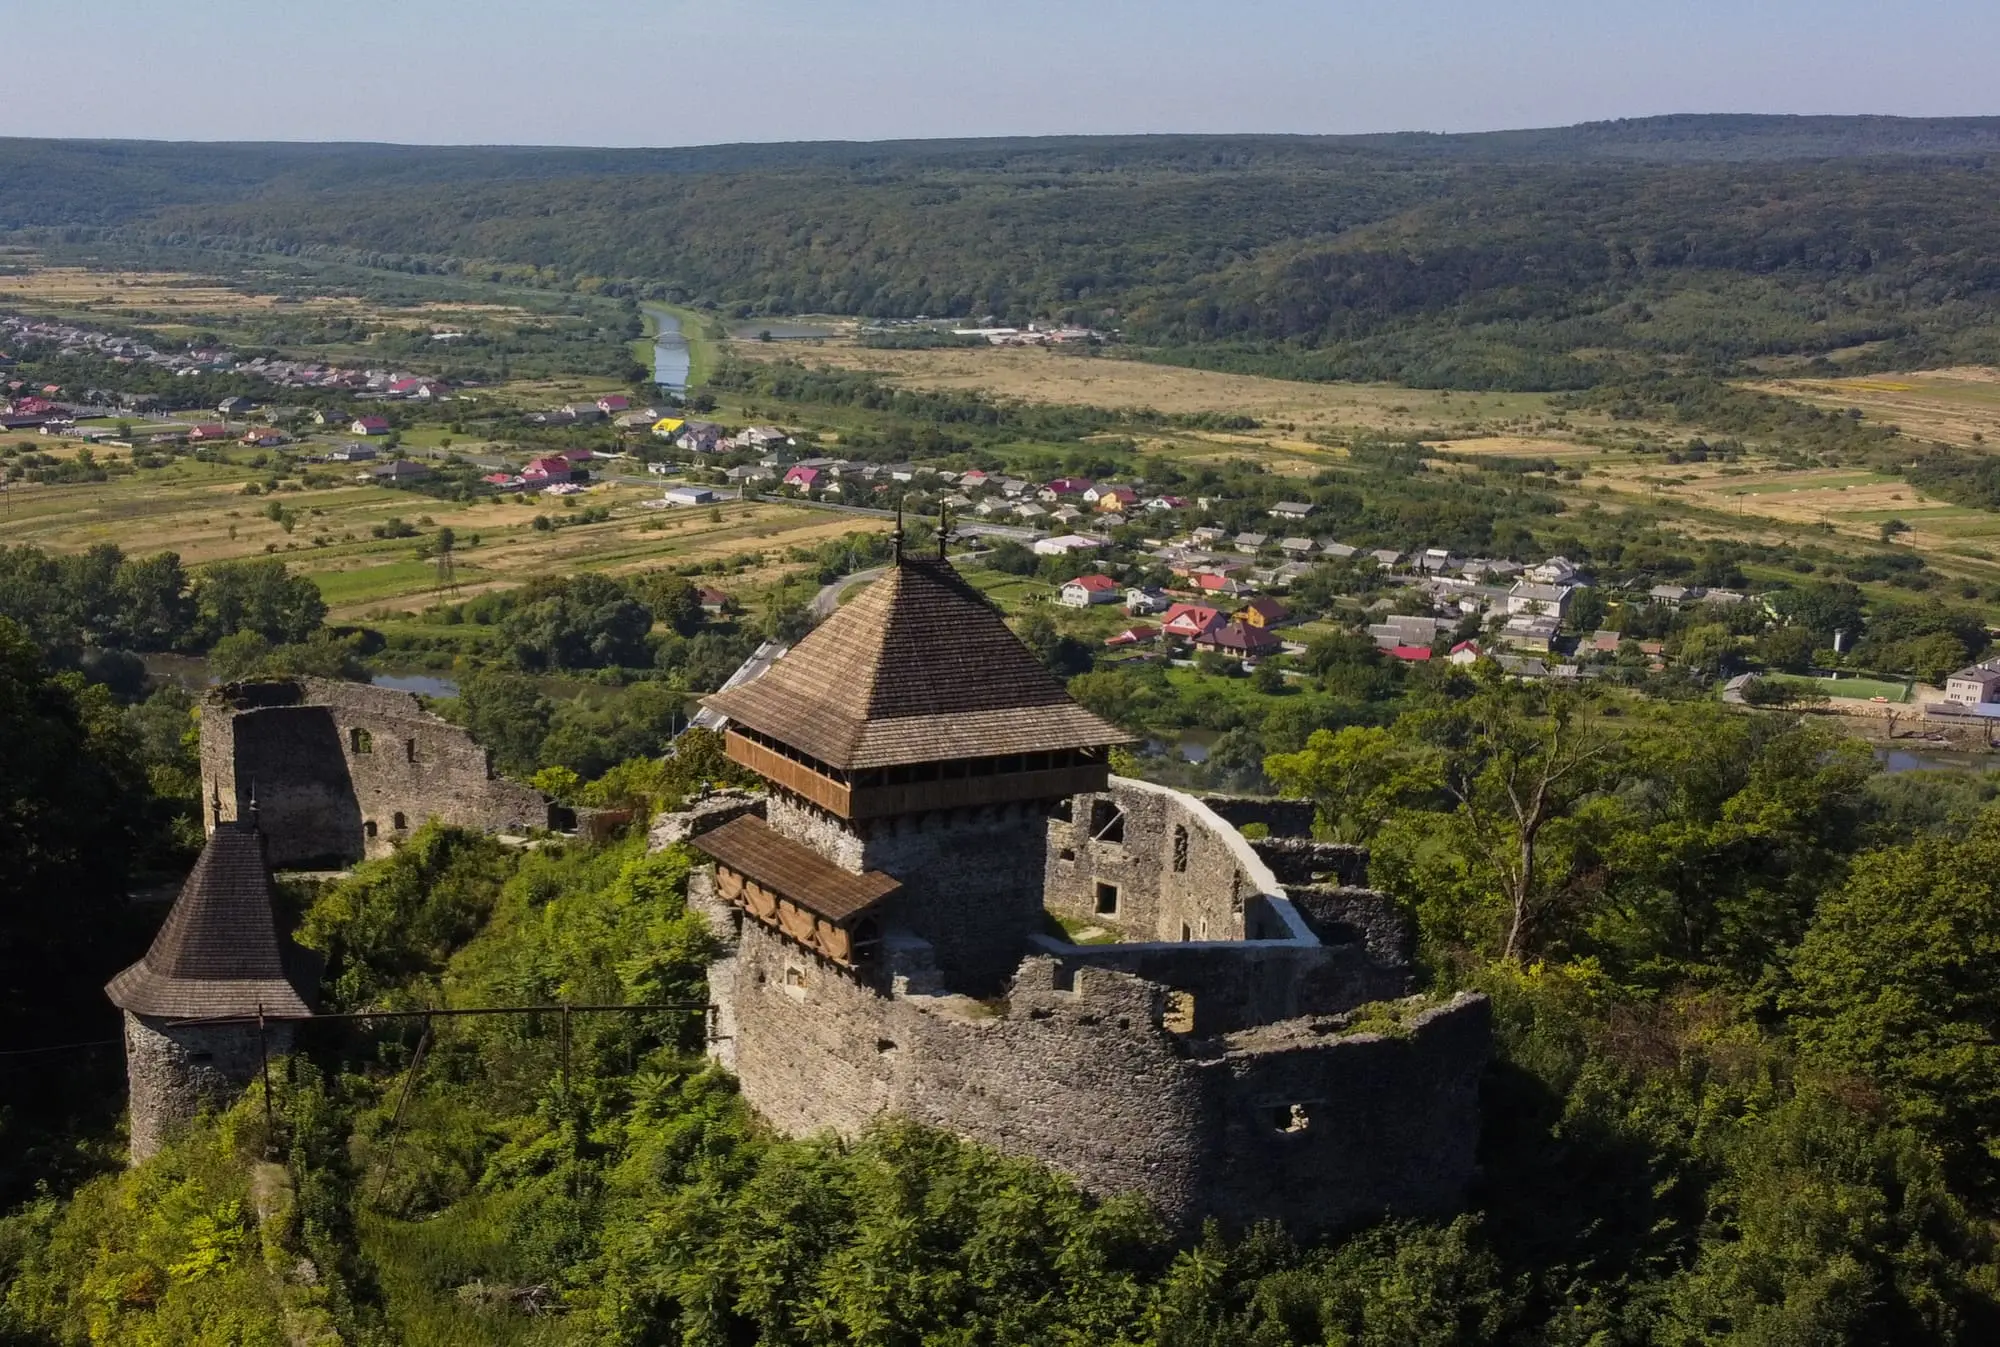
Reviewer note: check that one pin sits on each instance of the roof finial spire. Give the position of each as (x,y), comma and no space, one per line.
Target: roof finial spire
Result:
(944,528)
(896,538)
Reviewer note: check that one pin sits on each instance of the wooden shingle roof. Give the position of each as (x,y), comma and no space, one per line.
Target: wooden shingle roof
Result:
(919,668)
(755,850)
(220,952)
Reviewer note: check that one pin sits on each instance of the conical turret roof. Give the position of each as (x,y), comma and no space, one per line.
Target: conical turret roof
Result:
(919,668)
(220,952)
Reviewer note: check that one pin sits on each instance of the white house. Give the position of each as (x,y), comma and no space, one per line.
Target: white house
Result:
(1086,590)
(1974,686)
(1529,597)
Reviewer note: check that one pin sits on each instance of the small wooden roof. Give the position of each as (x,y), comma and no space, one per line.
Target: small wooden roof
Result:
(919,668)
(758,852)
(220,953)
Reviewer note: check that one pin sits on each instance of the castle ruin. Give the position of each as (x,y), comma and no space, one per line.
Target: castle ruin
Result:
(342,771)
(944,906)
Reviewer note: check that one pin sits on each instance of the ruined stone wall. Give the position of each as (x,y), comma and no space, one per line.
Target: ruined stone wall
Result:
(1319,1132)
(341,771)
(1078,1069)
(173,1073)
(1339,913)
(1285,818)
(971,878)
(1222,988)
(1168,869)
(1300,860)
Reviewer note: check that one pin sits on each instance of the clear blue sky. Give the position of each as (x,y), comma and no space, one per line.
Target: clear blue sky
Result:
(685,72)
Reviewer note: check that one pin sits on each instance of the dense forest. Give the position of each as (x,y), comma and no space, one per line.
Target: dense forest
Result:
(1520,259)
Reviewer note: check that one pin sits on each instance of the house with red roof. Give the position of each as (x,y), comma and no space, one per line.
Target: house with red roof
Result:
(1238,639)
(1065,486)
(614,402)
(1465,652)
(1107,499)
(208,433)
(802,477)
(1088,589)
(1137,634)
(553,468)
(1223,586)
(369,425)
(1189,619)
(1414,654)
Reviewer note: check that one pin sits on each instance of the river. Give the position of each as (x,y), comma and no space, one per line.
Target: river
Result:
(672,361)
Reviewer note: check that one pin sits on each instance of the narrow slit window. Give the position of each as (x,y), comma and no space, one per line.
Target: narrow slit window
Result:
(1180,849)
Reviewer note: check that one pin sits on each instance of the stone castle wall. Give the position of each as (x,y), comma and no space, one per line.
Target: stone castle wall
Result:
(1154,864)
(971,878)
(174,1072)
(341,771)
(1077,1068)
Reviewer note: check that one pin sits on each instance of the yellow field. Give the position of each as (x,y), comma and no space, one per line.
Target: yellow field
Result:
(198,510)
(67,291)
(1037,375)
(1952,406)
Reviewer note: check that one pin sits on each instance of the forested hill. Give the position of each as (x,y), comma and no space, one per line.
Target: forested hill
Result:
(1521,258)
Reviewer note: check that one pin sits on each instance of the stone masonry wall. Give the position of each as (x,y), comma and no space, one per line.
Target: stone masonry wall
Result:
(1285,818)
(342,770)
(173,1073)
(1077,1070)
(972,878)
(1177,873)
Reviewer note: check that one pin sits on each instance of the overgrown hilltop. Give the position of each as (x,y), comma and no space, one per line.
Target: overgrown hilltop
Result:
(1705,1125)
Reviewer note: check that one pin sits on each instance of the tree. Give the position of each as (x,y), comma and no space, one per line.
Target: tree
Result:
(507,714)
(1786,649)
(259,596)
(1898,979)
(673,599)
(1513,759)
(582,622)
(1356,778)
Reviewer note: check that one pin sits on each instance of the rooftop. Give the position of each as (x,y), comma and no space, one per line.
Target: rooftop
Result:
(919,668)
(219,952)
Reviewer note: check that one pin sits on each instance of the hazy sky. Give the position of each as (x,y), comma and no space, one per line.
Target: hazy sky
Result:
(684,72)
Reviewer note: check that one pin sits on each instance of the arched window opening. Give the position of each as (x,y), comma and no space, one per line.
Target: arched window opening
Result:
(402,823)
(369,827)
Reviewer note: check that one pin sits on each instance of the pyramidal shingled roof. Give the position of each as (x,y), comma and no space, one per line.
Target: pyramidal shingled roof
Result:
(919,668)
(220,952)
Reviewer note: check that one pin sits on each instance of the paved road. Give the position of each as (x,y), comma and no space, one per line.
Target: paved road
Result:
(828,599)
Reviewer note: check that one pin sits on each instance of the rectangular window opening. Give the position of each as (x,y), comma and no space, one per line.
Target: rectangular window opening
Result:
(1107,900)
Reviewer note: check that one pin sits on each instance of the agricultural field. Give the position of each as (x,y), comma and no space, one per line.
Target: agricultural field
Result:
(1042,375)
(199,509)
(1958,407)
